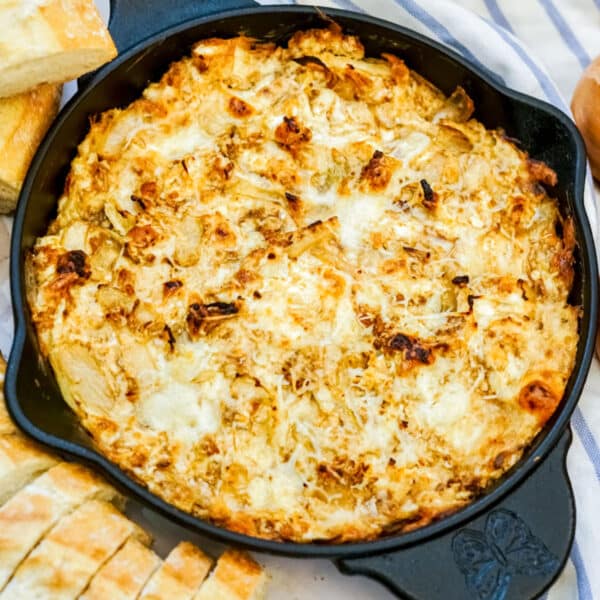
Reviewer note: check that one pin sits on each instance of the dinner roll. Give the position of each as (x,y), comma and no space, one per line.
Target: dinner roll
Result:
(586,111)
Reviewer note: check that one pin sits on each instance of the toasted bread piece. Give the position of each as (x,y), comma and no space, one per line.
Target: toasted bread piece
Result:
(24,120)
(63,563)
(28,515)
(50,41)
(124,575)
(236,577)
(6,423)
(180,575)
(20,462)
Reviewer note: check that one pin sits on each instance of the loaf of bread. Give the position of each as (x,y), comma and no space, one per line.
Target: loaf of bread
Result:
(24,120)
(50,41)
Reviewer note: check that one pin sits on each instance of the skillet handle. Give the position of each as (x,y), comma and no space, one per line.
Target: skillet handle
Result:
(513,551)
(131,21)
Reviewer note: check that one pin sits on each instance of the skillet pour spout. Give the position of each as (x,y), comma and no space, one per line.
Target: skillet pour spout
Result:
(477,552)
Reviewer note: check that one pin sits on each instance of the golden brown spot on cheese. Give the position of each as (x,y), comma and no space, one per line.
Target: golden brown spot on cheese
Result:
(539,399)
(411,348)
(172,287)
(238,108)
(149,189)
(377,172)
(74,261)
(126,281)
(202,318)
(292,134)
(139,239)
(200,63)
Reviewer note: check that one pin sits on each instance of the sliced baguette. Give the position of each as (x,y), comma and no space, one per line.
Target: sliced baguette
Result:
(50,41)
(28,515)
(63,563)
(24,120)
(235,577)
(6,424)
(20,462)
(124,575)
(179,576)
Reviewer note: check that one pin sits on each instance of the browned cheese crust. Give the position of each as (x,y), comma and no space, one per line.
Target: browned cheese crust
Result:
(303,294)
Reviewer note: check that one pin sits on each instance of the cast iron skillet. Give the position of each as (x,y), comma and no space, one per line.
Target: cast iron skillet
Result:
(510,543)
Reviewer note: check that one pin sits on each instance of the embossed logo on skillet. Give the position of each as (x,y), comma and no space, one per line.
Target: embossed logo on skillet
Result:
(505,548)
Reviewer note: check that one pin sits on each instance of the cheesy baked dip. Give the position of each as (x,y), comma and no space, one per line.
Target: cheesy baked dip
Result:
(303,294)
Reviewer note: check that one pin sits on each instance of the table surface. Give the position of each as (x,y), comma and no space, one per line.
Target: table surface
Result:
(537,23)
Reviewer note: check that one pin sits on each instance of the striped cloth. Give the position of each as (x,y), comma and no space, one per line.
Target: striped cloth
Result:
(506,37)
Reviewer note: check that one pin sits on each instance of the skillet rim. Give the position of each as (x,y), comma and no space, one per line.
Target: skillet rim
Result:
(541,447)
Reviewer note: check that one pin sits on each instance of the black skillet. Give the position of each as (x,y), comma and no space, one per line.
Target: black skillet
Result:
(514,540)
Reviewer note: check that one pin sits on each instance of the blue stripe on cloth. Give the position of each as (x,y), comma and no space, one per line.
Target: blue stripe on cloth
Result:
(498,15)
(584,590)
(441,31)
(502,26)
(566,33)
(587,440)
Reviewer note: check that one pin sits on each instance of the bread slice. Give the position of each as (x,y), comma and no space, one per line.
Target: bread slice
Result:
(50,41)
(236,577)
(6,424)
(124,575)
(24,120)
(20,462)
(28,515)
(63,563)
(179,576)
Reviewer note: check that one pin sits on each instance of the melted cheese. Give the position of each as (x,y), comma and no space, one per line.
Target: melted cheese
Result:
(303,294)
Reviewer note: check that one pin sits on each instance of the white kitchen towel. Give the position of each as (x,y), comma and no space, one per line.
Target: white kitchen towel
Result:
(560,38)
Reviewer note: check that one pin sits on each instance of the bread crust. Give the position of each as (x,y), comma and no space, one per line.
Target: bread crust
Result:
(69,39)
(124,575)
(184,569)
(20,461)
(236,576)
(24,120)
